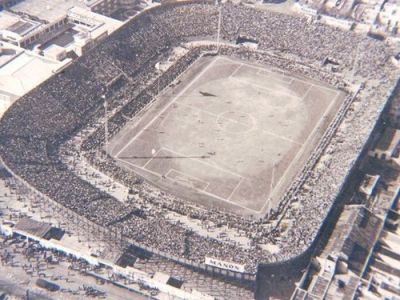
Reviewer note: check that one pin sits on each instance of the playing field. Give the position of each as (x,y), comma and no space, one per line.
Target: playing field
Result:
(229,134)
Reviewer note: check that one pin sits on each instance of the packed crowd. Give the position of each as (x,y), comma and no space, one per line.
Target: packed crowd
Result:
(122,68)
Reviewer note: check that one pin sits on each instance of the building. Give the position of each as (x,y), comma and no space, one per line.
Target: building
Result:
(20,30)
(335,273)
(387,147)
(35,24)
(389,17)
(370,185)
(44,35)
(87,29)
(360,260)
(16,65)
(378,17)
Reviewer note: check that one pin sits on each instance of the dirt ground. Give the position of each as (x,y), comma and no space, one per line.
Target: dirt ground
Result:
(228,134)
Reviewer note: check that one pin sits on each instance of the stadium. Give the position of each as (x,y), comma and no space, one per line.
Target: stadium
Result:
(234,153)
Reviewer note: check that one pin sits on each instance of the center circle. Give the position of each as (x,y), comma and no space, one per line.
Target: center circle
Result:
(236,122)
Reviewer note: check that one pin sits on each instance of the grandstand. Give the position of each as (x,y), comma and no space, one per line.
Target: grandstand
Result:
(60,124)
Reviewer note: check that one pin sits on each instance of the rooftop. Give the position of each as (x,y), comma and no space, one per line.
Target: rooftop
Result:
(16,79)
(353,236)
(17,24)
(369,184)
(33,227)
(389,140)
(48,10)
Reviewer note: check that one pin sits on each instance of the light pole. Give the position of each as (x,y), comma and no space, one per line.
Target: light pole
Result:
(219,24)
(106,123)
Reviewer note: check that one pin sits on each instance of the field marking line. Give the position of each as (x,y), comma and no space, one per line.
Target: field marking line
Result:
(139,167)
(205,163)
(235,188)
(279,136)
(277,76)
(301,150)
(169,171)
(114,145)
(188,184)
(215,115)
(228,63)
(227,201)
(163,119)
(265,88)
(194,188)
(138,139)
(267,74)
(317,84)
(235,71)
(188,176)
(307,92)
(245,125)
(206,187)
(135,121)
(266,69)
(153,156)
(248,65)
(277,70)
(337,93)
(169,104)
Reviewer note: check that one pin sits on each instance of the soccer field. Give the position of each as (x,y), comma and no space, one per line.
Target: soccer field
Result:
(229,135)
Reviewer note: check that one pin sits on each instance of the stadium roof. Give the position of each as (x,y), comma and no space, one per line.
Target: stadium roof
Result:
(33,227)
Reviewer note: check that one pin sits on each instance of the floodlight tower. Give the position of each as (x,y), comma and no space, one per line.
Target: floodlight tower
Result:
(272,176)
(106,121)
(219,24)
(356,59)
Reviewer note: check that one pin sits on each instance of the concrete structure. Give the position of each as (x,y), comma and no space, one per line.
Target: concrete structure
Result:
(336,272)
(19,30)
(54,30)
(387,146)
(389,17)
(53,10)
(38,24)
(394,111)
(90,28)
(50,10)
(370,185)
(375,16)
(55,52)
(16,78)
